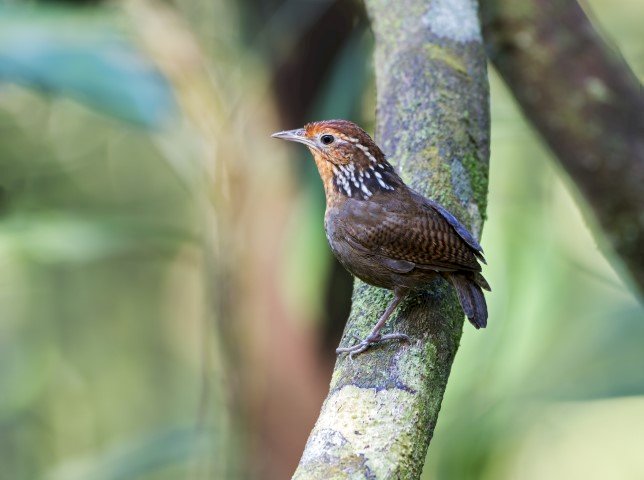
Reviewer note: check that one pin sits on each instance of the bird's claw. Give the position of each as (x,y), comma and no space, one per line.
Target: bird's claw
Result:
(363,345)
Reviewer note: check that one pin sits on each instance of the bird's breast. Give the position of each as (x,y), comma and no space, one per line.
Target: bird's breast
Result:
(358,260)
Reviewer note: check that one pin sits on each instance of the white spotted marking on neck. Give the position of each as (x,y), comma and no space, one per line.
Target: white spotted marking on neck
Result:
(366,182)
(367,152)
(359,179)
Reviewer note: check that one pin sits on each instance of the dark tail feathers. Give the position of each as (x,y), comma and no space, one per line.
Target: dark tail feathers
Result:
(469,290)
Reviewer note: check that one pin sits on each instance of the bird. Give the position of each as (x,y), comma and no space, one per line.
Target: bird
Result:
(384,232)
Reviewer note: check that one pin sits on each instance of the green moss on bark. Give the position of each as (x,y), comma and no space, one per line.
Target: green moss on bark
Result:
(478,174)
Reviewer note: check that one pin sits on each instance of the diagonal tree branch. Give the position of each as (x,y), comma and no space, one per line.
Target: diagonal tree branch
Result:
(585,102)
(433,122)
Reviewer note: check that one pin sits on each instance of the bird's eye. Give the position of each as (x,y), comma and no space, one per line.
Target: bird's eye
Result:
(327,139)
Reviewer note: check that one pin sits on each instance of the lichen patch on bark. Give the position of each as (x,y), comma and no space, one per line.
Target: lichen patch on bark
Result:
(352,428)
(454,19)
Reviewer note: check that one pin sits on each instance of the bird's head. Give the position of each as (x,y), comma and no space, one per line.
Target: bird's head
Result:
(349,161)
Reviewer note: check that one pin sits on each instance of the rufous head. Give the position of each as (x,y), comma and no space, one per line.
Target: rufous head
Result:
(339,141)
(348,160)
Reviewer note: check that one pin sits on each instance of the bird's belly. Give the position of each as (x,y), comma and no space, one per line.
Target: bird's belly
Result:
(370,269)
(364,267)
(359,263)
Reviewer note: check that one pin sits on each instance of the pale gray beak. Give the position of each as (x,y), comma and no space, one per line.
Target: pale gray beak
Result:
(298,135)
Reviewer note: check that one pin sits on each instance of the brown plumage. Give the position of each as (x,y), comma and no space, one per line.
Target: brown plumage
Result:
(382,231)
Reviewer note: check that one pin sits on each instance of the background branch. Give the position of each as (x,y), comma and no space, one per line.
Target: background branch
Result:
(433,122)
(585,102)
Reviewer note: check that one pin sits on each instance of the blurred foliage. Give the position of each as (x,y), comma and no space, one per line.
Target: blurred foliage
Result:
(111,271)
(86,55)
(102,255)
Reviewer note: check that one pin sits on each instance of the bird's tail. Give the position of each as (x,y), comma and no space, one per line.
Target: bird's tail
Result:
(469,290)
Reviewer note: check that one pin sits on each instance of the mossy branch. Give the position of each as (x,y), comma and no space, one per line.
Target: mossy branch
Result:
(586,103)
(433,123)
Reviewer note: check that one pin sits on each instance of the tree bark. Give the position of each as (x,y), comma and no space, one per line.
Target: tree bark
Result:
(585,102)
(433,122)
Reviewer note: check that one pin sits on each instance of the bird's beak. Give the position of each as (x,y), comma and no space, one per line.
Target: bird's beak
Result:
(298,135)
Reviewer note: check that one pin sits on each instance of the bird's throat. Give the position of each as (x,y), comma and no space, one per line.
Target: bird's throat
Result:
(355,180)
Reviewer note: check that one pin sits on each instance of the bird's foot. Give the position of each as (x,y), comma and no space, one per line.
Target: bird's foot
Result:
(363,345)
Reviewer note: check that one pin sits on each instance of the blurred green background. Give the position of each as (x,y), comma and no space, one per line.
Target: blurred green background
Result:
(169,304)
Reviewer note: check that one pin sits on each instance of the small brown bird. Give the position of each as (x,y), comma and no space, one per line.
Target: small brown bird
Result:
(382,231)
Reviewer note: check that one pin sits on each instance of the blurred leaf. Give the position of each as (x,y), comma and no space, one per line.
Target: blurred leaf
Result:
(79,54)
(54,237)
(603,362)
(138,458)
(24,371)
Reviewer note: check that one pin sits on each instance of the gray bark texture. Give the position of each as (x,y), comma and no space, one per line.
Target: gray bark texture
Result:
(433,123)
(585,102)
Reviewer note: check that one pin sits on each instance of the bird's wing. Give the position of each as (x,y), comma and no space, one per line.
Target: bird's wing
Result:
(458,227)
(463,232)
(404,237)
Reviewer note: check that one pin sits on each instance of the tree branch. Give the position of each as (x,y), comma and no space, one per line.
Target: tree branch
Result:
(433,122)
(585,102)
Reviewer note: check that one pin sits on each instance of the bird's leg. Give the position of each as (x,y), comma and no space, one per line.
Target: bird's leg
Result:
(375,336)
